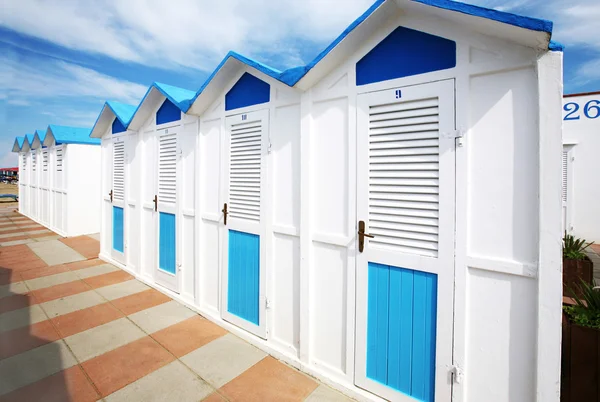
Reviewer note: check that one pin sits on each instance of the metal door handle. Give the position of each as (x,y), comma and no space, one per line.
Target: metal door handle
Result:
(155,201)
(111,195)
(362,235)
(224,210)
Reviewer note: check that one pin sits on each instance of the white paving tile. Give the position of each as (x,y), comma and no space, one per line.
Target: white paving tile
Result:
(173,382)
(21,317)
(15,288)
(95,270)
(118,290)
(104,338)
(33,365)
(159,317)
(223,359)
(51,280)
(72,303)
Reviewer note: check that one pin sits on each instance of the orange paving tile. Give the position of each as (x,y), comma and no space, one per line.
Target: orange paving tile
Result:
(269,380)
(596,248)
(81,320)
(29,229)
(188,335)
(73,266)
(58,291)
(111,278)
(15,302)
(7,239)
(84,245)
(23,339)
(43,271)
(140,301)
(122,366)
(67,385)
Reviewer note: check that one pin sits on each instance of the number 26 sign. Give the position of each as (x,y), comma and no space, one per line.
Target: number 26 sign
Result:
(591,110)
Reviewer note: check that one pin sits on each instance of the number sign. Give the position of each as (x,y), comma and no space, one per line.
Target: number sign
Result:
(591,110)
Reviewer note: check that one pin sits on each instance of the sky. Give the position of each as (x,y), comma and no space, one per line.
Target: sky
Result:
(61,59)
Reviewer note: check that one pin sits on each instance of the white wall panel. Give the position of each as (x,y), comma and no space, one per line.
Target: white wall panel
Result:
(285,315)
(501,351)
(503,154)
(328,306)
(329,172)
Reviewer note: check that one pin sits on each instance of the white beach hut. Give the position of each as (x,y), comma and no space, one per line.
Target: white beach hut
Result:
(386,218)
(67,173)
(581,142)
(18,147)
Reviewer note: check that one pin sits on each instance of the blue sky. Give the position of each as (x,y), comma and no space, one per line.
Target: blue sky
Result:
(60,60)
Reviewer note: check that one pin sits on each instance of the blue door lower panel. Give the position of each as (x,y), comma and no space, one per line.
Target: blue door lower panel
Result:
(118,229)
(401,325)
(166,242)
(243,275)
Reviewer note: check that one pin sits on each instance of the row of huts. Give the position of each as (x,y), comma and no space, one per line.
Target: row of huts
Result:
(386,218)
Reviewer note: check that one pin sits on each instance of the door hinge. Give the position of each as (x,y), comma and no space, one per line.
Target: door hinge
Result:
(267,304)
(458,135)
(269,147)
(457,373)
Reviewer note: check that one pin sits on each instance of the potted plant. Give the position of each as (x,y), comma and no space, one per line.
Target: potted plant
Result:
(576,264)
(581,345)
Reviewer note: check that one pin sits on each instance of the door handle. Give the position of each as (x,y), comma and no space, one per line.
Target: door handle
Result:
(155,201)
(362,235)
(224,210)
(111,196)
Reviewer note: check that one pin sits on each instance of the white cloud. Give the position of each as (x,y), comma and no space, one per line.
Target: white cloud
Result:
(57,79)
(190,33)
(18,102)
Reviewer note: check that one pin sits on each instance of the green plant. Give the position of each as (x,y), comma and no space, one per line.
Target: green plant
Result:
(573,249)
(586,311)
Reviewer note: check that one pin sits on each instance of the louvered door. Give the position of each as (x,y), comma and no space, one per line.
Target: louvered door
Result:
(168,155)
(405,272)
(118,198)
(45,188)
(243,235)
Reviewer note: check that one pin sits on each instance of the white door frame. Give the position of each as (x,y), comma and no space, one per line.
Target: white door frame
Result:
(245,226)
(382,254)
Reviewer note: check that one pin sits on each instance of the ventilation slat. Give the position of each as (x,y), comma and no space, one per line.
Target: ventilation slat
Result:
(119,171)
(167,168)
(565,174)
(245,153)
(404,176)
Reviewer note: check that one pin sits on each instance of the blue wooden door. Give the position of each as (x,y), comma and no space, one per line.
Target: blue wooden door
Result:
(166,204)
(405,269)
(117,198)
(244,252)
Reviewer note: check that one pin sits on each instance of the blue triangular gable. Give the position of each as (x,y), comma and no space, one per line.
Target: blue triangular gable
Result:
(247,91)
(167,112)
(403,53)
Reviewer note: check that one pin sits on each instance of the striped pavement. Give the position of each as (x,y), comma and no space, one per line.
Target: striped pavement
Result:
(83,330)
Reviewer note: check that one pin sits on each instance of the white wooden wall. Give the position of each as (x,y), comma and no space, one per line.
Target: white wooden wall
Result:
(507,276)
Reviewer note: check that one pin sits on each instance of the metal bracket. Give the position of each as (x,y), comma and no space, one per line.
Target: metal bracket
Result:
(269,147)
(457,373)
(458,135)
(267,304)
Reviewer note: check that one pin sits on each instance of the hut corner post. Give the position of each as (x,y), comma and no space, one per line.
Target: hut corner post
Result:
(550,88)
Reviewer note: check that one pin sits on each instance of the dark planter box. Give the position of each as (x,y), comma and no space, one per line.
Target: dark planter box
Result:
(580,377)
(574,271)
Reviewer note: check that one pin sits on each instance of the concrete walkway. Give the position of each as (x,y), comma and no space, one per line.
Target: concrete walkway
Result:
(594,253)
(75,328)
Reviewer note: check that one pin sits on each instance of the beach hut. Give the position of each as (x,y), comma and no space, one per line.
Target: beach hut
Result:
(18,147)
(581,142)
(158,187)
(69,173)
(386,218)
(119,189)
(42,192)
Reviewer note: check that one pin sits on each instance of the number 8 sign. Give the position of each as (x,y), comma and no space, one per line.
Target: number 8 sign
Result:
(591,110)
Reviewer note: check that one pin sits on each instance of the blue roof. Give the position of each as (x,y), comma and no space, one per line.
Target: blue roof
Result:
(20,141)
(72,135)
(122,111)
(291,76)
(41,134)
(182,98)
(29,138)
